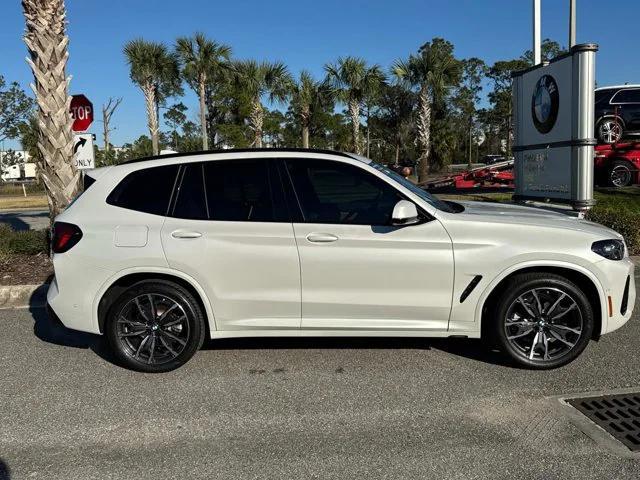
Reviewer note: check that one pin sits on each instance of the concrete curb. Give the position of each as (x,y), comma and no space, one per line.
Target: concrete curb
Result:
(23,296)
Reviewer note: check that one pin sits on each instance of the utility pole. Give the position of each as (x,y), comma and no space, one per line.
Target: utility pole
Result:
(572,23)
(537,57)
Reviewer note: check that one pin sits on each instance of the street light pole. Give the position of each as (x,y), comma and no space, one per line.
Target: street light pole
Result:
(537,57)
(572,23)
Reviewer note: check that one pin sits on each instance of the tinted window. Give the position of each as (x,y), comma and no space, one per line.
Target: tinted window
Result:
(147,190)
(240,191)
(604,95)
(190,199)
(332,192)
(627,96)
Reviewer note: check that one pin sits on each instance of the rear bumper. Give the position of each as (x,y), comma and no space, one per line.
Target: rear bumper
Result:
(71,308)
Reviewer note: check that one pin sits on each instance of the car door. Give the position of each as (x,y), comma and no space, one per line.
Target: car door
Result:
(627,104)
(358,271)
(229,230)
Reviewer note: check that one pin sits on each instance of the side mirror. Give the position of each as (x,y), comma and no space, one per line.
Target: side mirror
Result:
(404,213)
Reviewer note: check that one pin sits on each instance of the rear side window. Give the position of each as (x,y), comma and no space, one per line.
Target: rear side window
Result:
(242,191)
(631,95)
(148,190)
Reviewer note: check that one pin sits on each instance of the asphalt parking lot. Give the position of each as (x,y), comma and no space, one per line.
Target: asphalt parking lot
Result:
(293,408)
(25,219)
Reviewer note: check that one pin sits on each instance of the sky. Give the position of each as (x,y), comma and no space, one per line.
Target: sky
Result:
(307,34)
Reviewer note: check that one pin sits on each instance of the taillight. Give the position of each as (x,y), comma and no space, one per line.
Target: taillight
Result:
(65,236)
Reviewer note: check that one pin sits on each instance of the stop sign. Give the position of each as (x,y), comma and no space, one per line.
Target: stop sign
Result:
(81,112)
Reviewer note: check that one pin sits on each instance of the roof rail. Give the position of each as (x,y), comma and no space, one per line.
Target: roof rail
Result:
(236,150)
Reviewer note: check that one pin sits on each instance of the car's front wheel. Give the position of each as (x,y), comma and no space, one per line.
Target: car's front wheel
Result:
(155,326)
(542,321)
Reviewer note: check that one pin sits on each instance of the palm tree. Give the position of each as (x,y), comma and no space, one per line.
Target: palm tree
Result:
(396,114)
(47,42)
(307,97)
(256,80)
(431,71)
(352,81)
(155,70)
(201,58)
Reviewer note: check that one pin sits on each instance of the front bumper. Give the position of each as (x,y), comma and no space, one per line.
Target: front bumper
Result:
(621,289)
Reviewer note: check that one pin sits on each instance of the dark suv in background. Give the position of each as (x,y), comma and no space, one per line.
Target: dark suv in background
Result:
(617,113)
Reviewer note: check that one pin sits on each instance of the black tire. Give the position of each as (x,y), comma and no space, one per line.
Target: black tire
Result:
(620,174)
(520,286)
(175,343)
(610,130)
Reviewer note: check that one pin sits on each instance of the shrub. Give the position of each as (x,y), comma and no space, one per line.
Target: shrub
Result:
(626,222)
(28,242)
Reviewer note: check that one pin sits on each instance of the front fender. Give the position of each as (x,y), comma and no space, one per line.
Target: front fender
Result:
(545,263)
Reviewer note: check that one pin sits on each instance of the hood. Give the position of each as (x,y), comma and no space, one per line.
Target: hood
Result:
(505,213)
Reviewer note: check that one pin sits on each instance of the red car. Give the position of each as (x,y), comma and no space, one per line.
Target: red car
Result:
(617,165)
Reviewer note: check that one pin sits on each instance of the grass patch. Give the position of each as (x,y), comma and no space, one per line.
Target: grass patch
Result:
(15,189)
(27,242)
(618,209)
(16,202)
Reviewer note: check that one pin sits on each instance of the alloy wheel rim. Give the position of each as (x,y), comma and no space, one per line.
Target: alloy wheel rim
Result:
(543,324)
(153,328)
(620,176)
(610,131)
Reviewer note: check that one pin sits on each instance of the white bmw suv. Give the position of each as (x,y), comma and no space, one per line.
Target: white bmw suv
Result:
(158,254)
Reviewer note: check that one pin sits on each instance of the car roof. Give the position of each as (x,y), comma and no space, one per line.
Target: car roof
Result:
(617,87)
(169,156)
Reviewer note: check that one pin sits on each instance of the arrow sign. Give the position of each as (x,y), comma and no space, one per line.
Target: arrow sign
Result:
(80,143)
(83,154)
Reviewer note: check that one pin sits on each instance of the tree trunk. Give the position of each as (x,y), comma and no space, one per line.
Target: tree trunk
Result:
(203,112)
(397,162)
(149,91)
(305,127)
(47,42)
(257,119)
(368,132)
(105,132)
(424,133)
(354,113)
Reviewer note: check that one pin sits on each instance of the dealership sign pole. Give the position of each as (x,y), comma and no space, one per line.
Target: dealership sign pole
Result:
(553,111)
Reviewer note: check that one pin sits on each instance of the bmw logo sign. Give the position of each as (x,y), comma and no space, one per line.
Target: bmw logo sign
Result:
(544,104)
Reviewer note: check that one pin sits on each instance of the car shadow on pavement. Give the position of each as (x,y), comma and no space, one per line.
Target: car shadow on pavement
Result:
(472,349)
(49,329)
(17,220)
(5,473)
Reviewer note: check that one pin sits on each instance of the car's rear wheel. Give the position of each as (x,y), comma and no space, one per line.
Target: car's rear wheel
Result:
(542,321)
(620,174)
(155,326)
(610,130)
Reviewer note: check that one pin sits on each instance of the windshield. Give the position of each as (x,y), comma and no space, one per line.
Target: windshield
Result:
(423,194)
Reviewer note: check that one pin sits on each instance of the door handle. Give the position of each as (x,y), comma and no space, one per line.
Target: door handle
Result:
(321,238)
(185,234)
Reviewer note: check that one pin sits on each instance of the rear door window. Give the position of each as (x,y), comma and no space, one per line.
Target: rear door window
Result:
(244,191)
(191,202)
(147,190)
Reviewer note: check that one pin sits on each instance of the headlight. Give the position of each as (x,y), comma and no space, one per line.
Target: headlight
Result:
(611,249)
